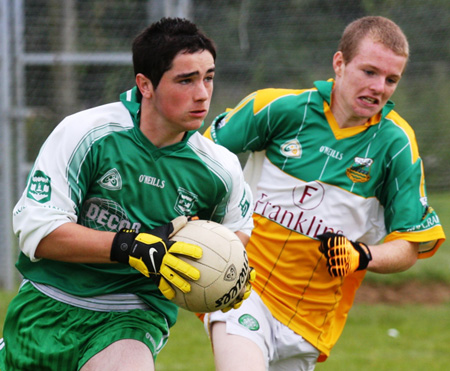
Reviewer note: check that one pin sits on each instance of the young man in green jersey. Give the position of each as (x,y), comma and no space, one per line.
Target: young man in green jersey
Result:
(335,170)
(108,189)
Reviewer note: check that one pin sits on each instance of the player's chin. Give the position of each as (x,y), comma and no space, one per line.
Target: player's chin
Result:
(366,109)
(366,112)
(193,124)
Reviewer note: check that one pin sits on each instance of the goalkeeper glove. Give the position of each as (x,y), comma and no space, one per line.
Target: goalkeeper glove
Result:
(153,254)
(245,292)
(343,256)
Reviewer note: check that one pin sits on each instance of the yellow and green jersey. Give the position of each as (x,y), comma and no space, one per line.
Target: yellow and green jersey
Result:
(99,170)
(309,176)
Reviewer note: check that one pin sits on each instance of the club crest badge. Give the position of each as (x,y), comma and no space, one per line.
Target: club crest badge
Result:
(291,148)
(185,201)
(249,322)
(359,172)
(40,188)
(111,180)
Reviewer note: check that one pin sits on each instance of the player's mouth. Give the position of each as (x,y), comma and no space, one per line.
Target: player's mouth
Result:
(369,100)
(199,113)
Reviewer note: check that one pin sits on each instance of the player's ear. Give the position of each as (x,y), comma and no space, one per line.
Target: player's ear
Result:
(338,63)
(144,85)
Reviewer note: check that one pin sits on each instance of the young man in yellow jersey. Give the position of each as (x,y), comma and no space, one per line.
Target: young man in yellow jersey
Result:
(339,189)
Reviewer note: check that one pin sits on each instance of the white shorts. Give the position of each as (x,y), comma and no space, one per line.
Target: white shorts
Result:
(283,349)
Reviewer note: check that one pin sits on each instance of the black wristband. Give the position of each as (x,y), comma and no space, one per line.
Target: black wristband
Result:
(122,244)
(365,256)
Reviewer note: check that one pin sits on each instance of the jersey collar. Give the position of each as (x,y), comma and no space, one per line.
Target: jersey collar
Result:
(325,88)
(132,101)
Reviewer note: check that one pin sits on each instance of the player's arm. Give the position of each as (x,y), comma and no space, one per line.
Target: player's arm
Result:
(75,243)
(244,237)
(393,256)
(150,253)
(344,257)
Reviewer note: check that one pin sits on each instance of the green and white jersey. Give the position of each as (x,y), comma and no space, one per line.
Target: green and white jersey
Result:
(99,170)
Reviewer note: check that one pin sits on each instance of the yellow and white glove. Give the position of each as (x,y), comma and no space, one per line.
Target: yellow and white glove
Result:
(343,256)
(245,292)
(152,253)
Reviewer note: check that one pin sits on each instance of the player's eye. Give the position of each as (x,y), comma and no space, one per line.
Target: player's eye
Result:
(391,81)
(185,81)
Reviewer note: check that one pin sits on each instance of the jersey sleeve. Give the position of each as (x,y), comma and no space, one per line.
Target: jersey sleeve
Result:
(235,207)
(240,207)
(61,176)
(46,202)
(408,215)
(251,124)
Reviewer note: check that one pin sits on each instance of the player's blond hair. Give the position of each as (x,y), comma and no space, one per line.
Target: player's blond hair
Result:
(379,29)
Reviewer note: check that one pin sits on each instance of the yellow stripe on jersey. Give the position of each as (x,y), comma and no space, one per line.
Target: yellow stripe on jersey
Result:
(402,124)
(422,181)
(240,105)
(262,98)
(267,96)
(427,249)
(207,133)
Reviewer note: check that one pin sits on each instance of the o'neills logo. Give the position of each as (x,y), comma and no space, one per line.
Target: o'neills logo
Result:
(359,171)
(39,188)
(237,288)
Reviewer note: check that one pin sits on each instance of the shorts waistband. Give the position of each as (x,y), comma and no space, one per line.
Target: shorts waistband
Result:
(102,303)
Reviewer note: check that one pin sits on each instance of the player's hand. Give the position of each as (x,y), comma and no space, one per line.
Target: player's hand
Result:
(152,253)
(245,293)
(343,256)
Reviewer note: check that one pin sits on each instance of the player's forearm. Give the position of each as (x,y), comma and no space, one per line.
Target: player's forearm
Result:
(392,257)
(74,243)
(243,237)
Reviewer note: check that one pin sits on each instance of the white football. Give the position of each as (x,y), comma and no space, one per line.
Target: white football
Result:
(223,267)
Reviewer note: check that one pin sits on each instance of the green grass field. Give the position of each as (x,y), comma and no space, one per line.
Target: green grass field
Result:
(421,341)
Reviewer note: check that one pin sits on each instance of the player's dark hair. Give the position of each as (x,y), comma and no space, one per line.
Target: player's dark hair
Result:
(156,46)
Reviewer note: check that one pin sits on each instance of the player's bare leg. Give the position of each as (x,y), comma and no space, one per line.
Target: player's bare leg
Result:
(237,353)
(125,354)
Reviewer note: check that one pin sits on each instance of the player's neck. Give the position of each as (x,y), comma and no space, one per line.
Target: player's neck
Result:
(158,132)
(344,116)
